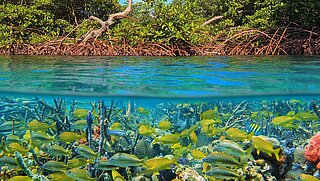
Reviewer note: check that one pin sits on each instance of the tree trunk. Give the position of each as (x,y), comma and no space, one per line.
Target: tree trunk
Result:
(106,24)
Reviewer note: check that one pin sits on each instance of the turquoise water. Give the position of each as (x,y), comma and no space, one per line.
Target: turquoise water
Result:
(160,77)
(239,92)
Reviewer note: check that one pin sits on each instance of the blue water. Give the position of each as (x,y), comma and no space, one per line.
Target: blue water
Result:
(163,77)
(136,91)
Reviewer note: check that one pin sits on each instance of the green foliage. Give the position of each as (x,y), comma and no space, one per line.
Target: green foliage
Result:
(178,22)
(72,10)
(160,22)
(263,14)
(250,13)
(304,13)
(35,21)
(77,10)
(21,24)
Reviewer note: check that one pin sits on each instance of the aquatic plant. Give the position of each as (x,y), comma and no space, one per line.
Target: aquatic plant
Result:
(211,141)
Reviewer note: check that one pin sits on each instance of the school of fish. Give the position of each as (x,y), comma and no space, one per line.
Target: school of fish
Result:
(248,140)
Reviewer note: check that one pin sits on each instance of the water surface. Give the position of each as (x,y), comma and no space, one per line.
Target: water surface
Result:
(198,99)
(161,76)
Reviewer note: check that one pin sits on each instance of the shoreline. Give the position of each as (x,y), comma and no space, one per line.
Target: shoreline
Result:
(289,41)
(102,48)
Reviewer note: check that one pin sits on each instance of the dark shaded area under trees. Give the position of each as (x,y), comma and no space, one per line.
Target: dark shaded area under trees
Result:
(158,28)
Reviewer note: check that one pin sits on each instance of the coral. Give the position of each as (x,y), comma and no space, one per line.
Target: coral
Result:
(311,151)
(140,178)
(144,149)
(96,132)
(299,156)
(190,174)
(252,172)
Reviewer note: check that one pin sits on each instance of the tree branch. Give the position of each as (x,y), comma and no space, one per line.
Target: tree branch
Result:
(106,24)
(212,20)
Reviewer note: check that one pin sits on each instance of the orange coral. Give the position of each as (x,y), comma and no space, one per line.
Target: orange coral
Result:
(312,150)
(96,132)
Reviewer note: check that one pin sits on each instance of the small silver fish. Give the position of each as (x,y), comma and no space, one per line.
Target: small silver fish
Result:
(116,132)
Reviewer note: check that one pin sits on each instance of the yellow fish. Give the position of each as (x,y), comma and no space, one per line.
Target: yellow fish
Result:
(69,137)
(207,130)
(206,167)
(56,150)
(193,138)
(294,101)
(12,139)
(8,161)
(116,126)
(54,166)
(186,133)
(85,151)
(182,151)
(290,126)
(168,139)
(291,113)
(79,174)
(254,115)
(105,166)
(142,110)
(1,153)
(197,154)
(306,177)
(222,159)
(27,137)
(261,144)
(176,146)
(20,178)
(145,130)
(165,125)
(218,131)
(80,113)
(306,116)
(78,162)
(238,135)
(176,179)
(116,176)
(39,126)
(154,165)
(17,147)
(285,121)
(80,124)
(282,120)
(58,176)
(41,137)
(223,173)
(209,114)
(206,122)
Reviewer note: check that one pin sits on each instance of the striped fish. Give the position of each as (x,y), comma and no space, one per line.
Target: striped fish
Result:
(256,129)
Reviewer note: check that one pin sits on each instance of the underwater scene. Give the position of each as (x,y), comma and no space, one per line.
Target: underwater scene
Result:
(160,118)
